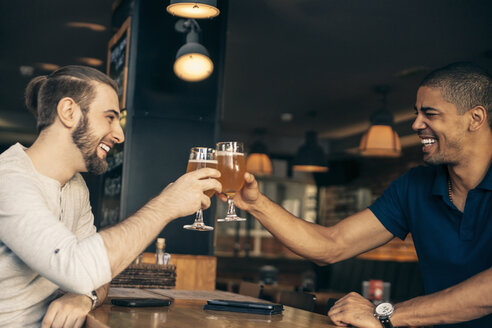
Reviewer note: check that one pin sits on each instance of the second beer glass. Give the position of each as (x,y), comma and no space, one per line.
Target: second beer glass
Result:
(231,164)
(201,157)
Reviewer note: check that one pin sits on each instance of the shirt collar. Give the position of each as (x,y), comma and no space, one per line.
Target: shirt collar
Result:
(440,186)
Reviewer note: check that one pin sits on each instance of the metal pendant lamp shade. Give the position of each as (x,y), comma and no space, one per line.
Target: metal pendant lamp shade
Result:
(193,63)
(258,162)
(310,156)
(193,9)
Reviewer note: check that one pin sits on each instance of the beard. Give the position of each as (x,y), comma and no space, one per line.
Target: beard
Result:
(87,144)
(451,156)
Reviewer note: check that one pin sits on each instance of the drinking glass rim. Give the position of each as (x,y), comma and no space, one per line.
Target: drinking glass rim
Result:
(202,153)
(222,152)
(208,148)
(234,146)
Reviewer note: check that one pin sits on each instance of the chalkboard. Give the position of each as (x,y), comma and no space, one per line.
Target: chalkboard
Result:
(117,63)
(117,69)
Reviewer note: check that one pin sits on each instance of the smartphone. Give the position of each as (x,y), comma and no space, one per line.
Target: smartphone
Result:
(141,302)
(255,305)
(246,307)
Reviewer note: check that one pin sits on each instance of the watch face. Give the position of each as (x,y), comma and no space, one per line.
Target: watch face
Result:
(384,309)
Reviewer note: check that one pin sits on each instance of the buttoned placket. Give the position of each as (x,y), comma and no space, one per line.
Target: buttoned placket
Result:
(467,218)
(60,203)
(61,193)
(470,215)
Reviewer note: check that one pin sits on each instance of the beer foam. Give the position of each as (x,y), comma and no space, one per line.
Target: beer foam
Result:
(228,153)
(212,161)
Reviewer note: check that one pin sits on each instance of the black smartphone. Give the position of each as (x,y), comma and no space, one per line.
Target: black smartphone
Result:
(246,307)
(141,302)
(255,305)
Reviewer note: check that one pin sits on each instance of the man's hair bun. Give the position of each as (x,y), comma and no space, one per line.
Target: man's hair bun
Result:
(32,91)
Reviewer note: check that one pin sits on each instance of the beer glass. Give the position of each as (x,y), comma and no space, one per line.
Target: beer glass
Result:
(231,164)
(201,157)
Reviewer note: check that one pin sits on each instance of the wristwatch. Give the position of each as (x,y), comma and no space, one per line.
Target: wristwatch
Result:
(383,313)
(94,299)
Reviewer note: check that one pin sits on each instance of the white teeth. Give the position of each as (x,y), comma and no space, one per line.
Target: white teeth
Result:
(105,147)
(428,141)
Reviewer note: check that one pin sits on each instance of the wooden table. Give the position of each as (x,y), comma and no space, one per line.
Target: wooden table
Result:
(186,312)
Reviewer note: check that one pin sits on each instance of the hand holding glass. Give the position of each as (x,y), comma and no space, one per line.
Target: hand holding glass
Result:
(231,164)
(201,157)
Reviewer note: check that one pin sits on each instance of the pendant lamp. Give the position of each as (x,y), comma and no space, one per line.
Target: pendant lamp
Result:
(310,156)
(193,9)
(381,140)
(258,162)
(193,63)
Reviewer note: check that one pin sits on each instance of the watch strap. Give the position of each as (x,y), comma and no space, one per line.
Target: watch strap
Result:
(94,299)
(385,321)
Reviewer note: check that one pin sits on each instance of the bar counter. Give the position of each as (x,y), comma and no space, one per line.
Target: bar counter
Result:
(186,311)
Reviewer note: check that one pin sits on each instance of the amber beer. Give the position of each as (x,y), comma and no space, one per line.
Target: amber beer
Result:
(201,157)
(196,164)
(232,168)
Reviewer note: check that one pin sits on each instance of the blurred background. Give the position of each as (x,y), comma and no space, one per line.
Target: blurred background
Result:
(282,68)
(290,65)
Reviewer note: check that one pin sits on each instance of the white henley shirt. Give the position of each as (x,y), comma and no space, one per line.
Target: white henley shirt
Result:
(47,240)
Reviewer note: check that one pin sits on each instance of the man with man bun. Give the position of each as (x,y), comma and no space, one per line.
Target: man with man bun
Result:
(48,241)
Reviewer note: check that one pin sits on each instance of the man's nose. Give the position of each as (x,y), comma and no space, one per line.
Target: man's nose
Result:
(118,134)
(418,124)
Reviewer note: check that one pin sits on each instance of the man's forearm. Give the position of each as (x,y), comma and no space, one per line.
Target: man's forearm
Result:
(282,224)
(466,301)
(126,240)
(352,236)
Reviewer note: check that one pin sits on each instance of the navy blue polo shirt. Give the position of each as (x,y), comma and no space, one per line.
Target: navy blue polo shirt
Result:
(451,246)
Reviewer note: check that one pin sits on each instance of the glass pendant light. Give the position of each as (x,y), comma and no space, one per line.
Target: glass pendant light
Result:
(381,140)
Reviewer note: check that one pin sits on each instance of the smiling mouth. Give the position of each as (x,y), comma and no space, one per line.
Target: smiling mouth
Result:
(428,143)
(105,147)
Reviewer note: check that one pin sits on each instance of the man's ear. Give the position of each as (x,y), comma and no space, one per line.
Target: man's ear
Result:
(478,116)
(68,112)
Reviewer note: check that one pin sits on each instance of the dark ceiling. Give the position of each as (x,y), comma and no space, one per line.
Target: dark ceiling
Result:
(36,32)
(317,60)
